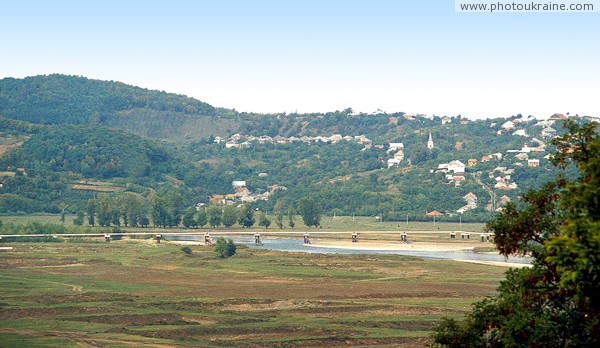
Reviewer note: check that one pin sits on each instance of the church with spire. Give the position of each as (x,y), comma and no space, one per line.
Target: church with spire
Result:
(430,142)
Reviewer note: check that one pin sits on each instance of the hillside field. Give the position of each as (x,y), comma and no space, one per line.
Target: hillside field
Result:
(137,293)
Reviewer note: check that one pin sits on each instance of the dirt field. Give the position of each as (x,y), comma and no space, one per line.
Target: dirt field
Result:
(133,293)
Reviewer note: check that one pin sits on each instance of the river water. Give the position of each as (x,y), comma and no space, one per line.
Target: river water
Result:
(297,245)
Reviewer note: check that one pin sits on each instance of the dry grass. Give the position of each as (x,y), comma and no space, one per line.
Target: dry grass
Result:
(70,294)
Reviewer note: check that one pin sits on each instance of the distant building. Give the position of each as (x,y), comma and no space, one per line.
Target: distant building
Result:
(217,199)
(533,162)
(471,162)
(456,167)
(396,147)
(238,183)
(508,125)
(557,117)
(548,132)
(231,144)
(393,162)
(471,200)
(522,156)
(520,132)
(430,142)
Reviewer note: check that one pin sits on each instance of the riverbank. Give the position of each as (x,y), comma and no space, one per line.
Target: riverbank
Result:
(382,246)
(418,247)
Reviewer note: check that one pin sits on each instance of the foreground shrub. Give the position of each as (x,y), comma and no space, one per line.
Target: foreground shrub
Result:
(225,248)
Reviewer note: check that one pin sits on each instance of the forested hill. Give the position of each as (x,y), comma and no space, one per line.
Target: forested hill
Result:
(45,166)
(61,99)
(64,139)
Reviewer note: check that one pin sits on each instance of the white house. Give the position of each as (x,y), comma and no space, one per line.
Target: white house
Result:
(231,144)
(522,156)
(520,132)
(335,138)
(456,166)
(361,139)
(396,147)
(398,157)
(393,162)
(471,200)
(238,183)
(548,132)
(508,125)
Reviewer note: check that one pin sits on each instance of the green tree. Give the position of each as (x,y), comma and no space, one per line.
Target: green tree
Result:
(230,216)
(310,211)
(173,208)
(78,220)
(115,216)
(144,221)
(291,215)
(104,210)
(555,303)
(189,218)
(91,212)
(263,220)
(246,218)
(214,214)
(225,248)
(133,207)
(202,219)
(125,217)
(278,210)
(159,211)
(62,206)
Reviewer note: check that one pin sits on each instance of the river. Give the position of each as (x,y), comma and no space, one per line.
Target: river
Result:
(297,245)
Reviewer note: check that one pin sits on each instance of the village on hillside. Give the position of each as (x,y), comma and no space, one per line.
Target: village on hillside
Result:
(530,154)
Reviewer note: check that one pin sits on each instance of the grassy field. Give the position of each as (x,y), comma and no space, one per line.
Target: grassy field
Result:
(42,218)
(135,293)
(339,223)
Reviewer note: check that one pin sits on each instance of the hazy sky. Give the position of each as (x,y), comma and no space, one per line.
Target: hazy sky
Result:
(416,56)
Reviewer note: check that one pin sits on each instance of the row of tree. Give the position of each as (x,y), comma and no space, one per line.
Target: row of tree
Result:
(167,210)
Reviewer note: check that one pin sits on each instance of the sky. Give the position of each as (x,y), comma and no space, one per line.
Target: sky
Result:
(268,56)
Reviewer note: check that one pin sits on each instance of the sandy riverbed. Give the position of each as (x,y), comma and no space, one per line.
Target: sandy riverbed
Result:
(413,246)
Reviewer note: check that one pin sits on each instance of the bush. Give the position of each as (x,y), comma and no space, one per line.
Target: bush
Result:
(225,248)
(186,249)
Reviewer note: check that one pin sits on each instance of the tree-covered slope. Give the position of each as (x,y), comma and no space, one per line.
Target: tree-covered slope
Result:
(92,152)
(61,99)
(82,132)
(45,167)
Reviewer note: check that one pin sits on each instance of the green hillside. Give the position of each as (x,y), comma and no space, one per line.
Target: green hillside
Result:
(59,99)
(49,166)
(65,139)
